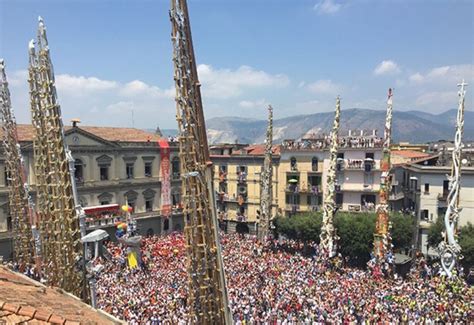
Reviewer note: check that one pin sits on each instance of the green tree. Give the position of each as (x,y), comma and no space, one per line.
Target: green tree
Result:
(402,230)
(355,230)
(434,233)
(466,241)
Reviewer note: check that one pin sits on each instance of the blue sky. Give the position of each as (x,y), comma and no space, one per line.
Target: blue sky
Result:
(112,57)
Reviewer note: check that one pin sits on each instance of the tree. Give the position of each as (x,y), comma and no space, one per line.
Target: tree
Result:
(466,241)
(435,232)
(402,230)
(355,231)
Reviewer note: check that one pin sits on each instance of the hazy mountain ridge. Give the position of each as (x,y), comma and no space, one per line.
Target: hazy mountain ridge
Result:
(413,126)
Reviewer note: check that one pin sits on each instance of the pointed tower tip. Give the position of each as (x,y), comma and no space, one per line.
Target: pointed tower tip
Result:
(31,44)
(40,19)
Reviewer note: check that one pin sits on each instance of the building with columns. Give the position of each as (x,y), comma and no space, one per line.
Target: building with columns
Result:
(113,167)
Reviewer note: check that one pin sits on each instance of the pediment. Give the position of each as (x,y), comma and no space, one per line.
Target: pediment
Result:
(77,137)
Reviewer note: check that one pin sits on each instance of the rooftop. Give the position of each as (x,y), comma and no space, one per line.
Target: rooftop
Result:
(26,132)
(25,301)
(410,154)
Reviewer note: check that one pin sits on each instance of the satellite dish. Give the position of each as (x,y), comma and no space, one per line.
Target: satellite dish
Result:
(464,161)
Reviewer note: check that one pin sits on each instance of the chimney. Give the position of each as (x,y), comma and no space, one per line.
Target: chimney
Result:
(75,121)
(374,132)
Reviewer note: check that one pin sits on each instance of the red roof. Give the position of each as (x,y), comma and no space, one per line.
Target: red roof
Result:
(410,154)
(26,132)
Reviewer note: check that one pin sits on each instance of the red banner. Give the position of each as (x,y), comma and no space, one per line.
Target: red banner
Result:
(165,178)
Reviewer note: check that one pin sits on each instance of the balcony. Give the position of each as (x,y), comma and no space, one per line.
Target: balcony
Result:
(292,208)
(397,195)
(292,188)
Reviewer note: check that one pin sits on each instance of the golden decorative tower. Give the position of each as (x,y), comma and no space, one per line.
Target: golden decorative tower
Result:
(59,223)
(266,186)
(207,297)
(19,199)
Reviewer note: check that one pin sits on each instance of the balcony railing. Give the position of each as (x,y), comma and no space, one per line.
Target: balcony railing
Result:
(292,207)
(241,177)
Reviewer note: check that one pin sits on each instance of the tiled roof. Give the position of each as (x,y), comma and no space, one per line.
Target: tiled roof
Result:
(410,153)
(25,301)
(259,149)
(26,133)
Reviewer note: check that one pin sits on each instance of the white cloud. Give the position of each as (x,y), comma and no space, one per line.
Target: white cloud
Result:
(324,87)
(253,104)
(227,83)
(386,67)
(327,7)
(446,75)
(139,88)
(79,84)
(416,77)
(444,98)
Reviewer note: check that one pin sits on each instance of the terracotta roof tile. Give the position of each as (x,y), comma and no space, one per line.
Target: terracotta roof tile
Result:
(42,315)
(410,153)
(55,319)
(69,322)
(24,298)
(27,311)
(26,132)
(11,307)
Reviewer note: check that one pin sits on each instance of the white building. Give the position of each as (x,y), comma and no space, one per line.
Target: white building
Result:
(423,187)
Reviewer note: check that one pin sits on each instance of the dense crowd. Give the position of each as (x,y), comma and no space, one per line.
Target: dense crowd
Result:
(277,284)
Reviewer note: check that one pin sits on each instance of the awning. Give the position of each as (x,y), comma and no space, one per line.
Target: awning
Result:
(95,236)
(101,208)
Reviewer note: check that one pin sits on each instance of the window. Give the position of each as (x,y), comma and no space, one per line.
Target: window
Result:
(149,196)
(314,164)
(104,163)
(445,187)
(427,188)
(340,155)
(369,155)
(339,199)
(7,178)
(175,168)
(148,205)
(223,168)
(176,197)
(129,170)
(424,214)
(166,224)
(293,164)
(78,171)
(313,200)
(293,199)
(105,198)
(148,166)
(104,173)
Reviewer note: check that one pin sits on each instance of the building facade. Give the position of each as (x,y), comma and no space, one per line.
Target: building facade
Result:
(422,188)
(113,166)
(237,182)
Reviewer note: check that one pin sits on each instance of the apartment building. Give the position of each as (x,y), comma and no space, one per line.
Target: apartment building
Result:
(237,183)
(113,167)
(304,165)
(423,186)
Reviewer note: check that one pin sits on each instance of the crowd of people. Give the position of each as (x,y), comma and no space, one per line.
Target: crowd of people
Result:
(277,283)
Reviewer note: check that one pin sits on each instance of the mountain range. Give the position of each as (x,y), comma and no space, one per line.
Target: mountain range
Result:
(410,126)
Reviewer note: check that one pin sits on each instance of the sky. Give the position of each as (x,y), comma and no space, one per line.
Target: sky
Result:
(113,58)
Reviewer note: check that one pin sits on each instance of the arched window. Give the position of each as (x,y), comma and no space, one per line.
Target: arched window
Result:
(314,164)
(175,168)
(293,164)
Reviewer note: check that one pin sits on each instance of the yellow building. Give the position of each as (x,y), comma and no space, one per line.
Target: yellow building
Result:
(237,182)
(301,174)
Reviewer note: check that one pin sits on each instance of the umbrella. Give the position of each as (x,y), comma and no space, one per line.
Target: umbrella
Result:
(293,180)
